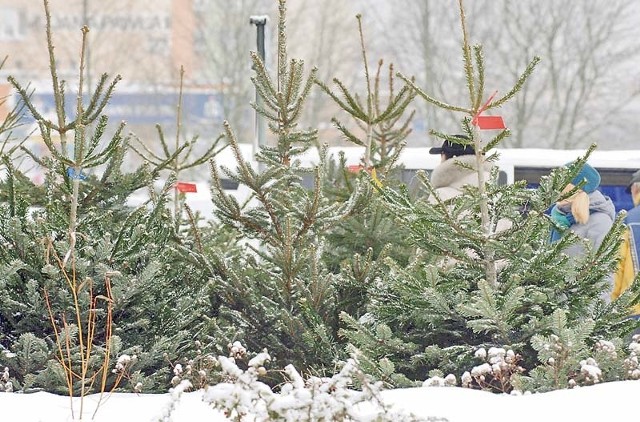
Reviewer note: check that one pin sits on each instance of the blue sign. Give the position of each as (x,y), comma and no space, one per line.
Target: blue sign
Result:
(75,174)
(143,108)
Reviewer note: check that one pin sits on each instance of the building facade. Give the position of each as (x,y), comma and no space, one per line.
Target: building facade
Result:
(147,42)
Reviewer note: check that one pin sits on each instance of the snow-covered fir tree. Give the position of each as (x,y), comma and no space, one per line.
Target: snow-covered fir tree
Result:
(86,277)
(380,121)
(94,293)
(280,295)
(474,284)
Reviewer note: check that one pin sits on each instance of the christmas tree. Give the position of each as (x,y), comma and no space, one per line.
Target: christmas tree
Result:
(474,285)
(88,280)
(380,123)
(280,295)
(96,294)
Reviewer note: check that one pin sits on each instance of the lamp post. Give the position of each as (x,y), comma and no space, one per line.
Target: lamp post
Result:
(260,22)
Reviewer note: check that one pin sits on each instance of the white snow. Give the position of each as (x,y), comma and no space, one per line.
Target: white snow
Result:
(602,402)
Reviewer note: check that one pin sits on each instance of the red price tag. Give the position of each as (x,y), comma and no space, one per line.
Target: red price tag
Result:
(186,187)
(487,122)
(490,122)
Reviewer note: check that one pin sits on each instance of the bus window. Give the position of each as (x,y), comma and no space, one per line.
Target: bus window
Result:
(502,178)
(408,176)
(229,184)
(619,196)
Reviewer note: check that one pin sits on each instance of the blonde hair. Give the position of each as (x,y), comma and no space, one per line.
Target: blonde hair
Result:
(579,204)
(635,193)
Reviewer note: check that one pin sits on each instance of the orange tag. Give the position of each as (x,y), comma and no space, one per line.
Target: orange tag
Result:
(487,122)
(186,187)
(490,122)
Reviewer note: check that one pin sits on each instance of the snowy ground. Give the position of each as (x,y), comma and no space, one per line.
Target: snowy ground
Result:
(615,401)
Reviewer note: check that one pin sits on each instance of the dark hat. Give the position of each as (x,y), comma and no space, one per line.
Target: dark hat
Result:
(634,179)
(454,149)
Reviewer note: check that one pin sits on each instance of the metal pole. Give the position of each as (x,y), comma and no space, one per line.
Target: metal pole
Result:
(259,22)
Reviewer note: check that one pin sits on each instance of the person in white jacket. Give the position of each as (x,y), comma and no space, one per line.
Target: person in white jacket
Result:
(456,169)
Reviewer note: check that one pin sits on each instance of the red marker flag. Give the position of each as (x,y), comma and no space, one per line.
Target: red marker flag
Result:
(490,122)
(487,122)
(186,187)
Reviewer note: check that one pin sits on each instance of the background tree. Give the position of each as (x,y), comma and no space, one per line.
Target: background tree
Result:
(571,98)
(582,92)
(224,38)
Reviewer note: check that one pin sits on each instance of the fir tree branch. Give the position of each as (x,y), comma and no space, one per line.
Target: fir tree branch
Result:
(466,54)
(519,84)
(477,49)
(26,100)
(58,89)
(430,99)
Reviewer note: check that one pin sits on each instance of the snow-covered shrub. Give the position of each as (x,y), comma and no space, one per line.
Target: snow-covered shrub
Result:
(5,383)
(560,367)
(566,364)
(437,381)
(299,398)
(204,369)
(631,366)
(175,394)
(495,371)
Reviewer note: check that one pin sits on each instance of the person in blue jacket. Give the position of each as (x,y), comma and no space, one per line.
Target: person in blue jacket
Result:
(629,265)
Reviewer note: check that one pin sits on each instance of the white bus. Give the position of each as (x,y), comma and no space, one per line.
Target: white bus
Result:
(615,167)
(529,164)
